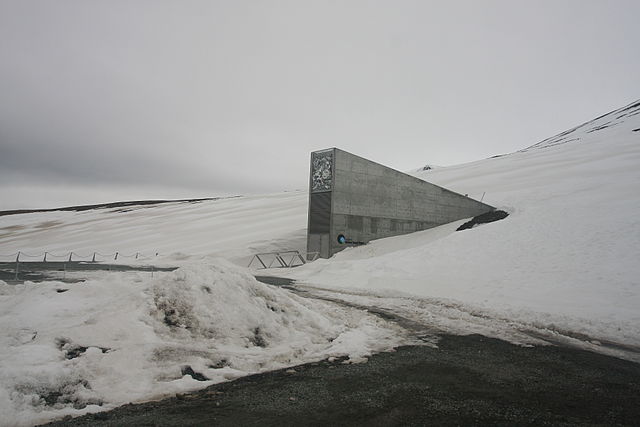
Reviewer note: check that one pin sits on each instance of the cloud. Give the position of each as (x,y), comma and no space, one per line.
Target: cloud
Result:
(230,97)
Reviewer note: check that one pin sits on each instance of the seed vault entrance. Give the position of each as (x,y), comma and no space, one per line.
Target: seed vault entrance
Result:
(353,200)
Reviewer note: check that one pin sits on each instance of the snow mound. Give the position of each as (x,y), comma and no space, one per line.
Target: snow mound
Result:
(130,337)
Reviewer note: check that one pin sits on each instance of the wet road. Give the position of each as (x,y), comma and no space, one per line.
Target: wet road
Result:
(471,380)
(53,270)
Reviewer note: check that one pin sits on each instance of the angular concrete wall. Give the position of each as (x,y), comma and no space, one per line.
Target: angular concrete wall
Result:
(363,200)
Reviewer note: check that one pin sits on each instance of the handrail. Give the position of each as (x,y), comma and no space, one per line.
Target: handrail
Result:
(282,259)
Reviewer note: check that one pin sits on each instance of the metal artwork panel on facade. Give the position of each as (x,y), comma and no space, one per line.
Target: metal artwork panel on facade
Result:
(353,200)
(321,171)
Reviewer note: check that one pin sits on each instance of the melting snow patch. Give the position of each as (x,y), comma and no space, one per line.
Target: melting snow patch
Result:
(125,337)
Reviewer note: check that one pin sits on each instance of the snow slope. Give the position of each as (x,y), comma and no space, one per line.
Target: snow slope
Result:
(566,256)
(234,228)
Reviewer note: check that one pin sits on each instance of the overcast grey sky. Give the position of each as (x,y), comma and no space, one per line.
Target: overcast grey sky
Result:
(115,100)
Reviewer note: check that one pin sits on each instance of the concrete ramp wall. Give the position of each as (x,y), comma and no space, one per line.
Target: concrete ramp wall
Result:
(362,200)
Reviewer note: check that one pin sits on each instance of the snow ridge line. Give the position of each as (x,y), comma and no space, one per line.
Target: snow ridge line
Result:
(627,111)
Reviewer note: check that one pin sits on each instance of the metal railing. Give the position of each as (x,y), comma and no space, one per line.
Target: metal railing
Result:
(282,259)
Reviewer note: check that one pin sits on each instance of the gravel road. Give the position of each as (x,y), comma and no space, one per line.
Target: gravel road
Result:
(467,380)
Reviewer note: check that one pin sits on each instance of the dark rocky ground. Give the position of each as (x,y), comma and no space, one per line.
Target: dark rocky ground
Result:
(112,205)
(470,380)
(485,218)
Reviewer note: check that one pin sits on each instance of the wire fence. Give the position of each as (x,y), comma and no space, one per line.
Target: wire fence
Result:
(47,256)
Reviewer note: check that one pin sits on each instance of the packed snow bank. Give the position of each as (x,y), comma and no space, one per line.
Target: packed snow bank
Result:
(77,348)
(565,257)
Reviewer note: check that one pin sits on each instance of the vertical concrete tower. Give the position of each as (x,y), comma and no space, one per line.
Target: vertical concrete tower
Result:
(353,200)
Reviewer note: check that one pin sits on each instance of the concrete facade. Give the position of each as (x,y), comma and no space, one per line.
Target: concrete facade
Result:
(363,200)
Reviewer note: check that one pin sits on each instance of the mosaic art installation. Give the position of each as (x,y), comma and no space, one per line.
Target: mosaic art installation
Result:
(321,171)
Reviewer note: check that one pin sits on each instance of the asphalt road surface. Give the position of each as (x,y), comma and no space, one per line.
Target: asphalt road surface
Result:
(52,270)
(467,380)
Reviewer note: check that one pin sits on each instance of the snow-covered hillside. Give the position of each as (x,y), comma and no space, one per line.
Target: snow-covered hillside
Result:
(233,228)
(564,262)
(566,257)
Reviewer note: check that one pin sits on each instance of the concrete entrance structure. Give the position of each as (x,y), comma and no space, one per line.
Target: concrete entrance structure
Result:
(353,200)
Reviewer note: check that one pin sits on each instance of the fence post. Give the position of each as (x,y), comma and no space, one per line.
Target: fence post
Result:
(17,265)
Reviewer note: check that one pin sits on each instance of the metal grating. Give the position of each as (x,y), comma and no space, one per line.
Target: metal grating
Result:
(320,213)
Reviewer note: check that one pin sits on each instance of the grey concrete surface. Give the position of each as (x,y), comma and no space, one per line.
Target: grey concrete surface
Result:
(369,201)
